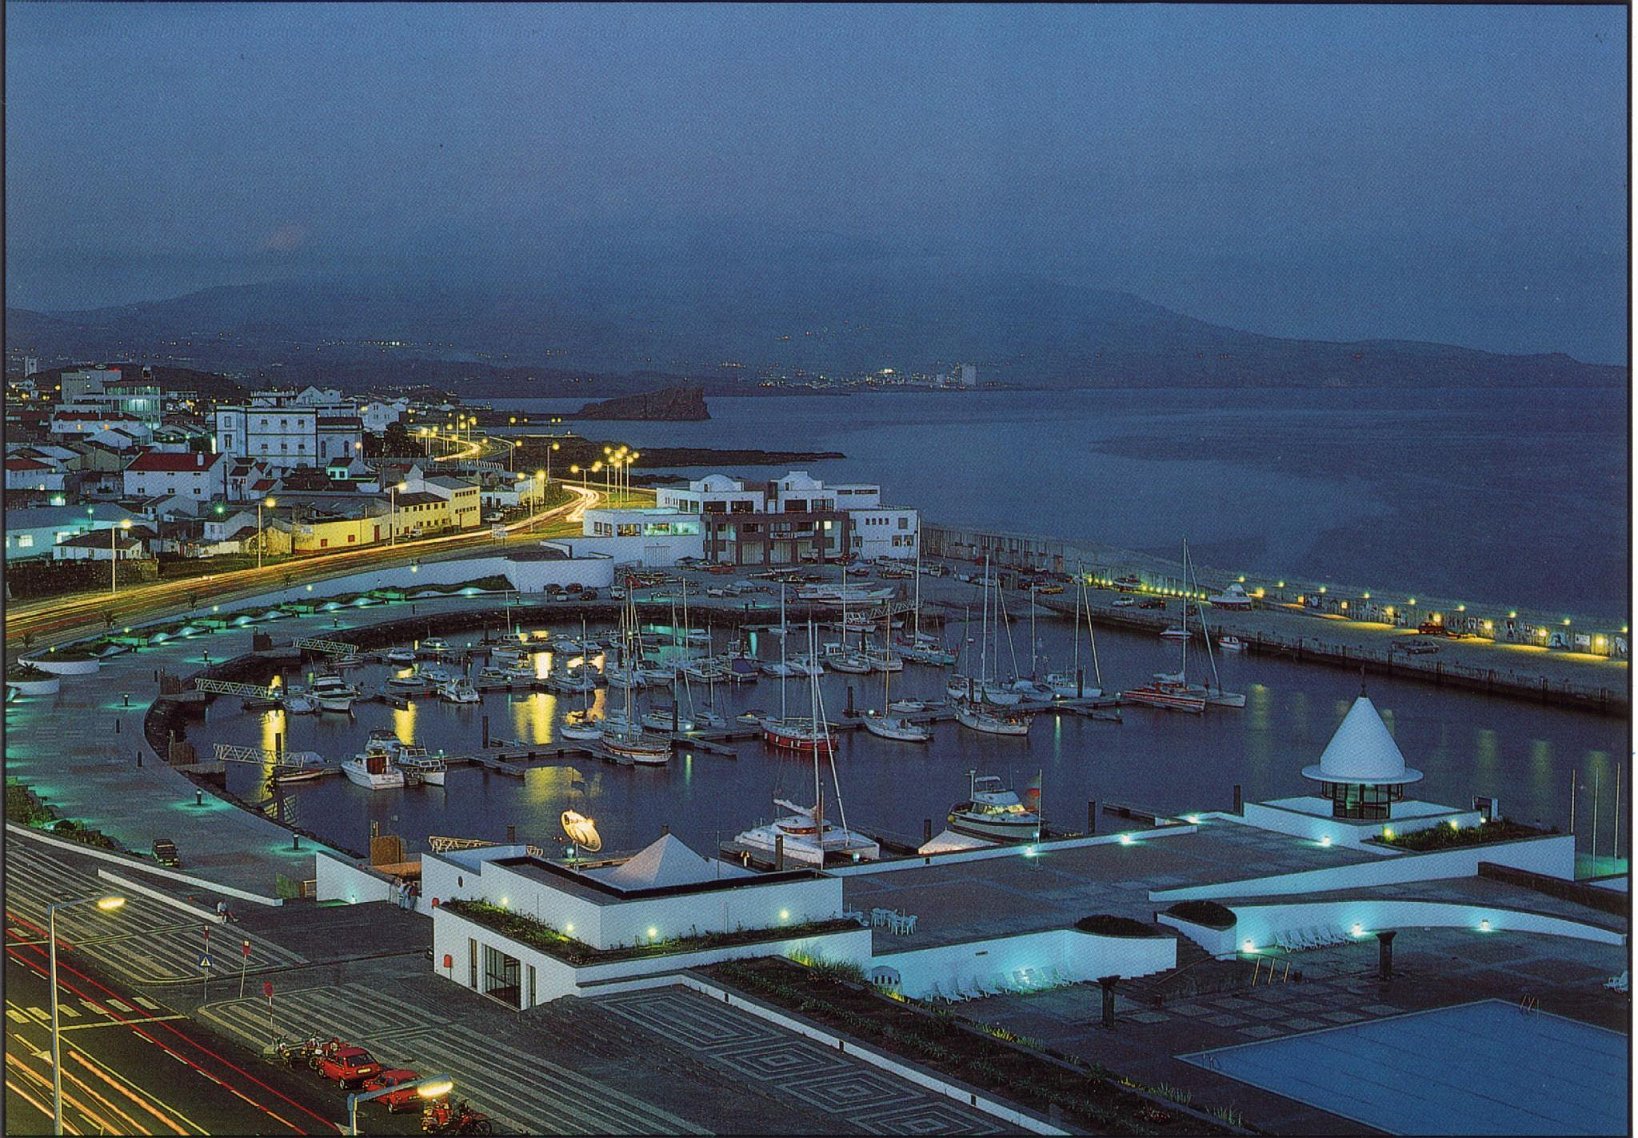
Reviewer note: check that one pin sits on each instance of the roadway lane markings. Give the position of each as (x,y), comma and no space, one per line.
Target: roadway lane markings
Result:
(146,1002)
(16,1016)
(93,1007)
(121,1005)
(122,1022)
(40,1014)
(68,1010)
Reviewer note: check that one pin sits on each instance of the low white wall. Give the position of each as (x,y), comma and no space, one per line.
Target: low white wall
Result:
(1261,923)
(1218,942)
(1029,960)
(1553,856)
(1042,850)
(454,936)
(140,867)
(652,552)
(339,880)
(533,576)
(1342,831)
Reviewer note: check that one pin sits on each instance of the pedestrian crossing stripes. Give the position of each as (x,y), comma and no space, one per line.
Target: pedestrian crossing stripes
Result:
(120,1005)
(146,1002)
(517,1086)
(16,1016)
(67,1011)
(143,942)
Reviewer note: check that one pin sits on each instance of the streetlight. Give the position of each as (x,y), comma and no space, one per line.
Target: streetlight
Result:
(113,556)
(549,450)
(106,904)
(433,1086)
(260,539)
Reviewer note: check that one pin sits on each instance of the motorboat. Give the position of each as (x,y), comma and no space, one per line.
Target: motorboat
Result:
(990,723)
(299,766)
(1231,644)
(1175,632)
(434,646)
(782,669)
(751,717)
(993,811)
(459,690)
(332,693)
(666,718)
(298,701)
(373,770)
(1063,685)
(418,766)
(412,681)
(707,670)
(907,706)
(508,656)
(400,656)
(1233,597)
(883,660)
(927,653)
(896,728)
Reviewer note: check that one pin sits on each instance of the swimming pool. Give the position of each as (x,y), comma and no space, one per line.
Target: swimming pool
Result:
(1480,1068)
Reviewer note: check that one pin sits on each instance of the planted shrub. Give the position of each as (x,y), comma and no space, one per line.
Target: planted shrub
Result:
(1208,913)
(1107,924)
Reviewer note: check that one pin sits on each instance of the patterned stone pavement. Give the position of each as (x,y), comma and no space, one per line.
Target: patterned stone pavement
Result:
(854,1092)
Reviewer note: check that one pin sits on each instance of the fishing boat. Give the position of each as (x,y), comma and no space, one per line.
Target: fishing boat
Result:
(994,811)
(806,836)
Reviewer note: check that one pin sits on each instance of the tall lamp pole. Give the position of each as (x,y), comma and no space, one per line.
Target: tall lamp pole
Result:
(433,1086)
(106,904)
(113,555)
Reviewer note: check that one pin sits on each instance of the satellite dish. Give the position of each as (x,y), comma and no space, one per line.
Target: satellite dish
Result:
(582,831)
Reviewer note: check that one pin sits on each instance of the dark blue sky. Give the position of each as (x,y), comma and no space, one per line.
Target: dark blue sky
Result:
(1455,174)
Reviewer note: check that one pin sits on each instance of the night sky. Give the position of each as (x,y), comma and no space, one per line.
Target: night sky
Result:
(1455,174)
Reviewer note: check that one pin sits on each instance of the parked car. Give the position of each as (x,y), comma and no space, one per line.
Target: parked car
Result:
(617,593)
(588,594)
(1151,603)
(165,853)
(1125,602)
(406,1099)
(348,1065)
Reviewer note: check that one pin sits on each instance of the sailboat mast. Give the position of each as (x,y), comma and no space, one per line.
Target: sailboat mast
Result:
(782,673)
(984,631)
(818,787)
(918,597)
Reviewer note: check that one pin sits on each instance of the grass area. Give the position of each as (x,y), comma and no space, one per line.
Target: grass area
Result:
(983,1056)
(26,808)
(537,934)
(1451,838)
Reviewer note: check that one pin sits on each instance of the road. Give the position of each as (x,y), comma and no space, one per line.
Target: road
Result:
(55,620)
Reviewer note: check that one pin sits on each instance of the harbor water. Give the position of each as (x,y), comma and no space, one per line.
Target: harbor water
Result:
(1524,754)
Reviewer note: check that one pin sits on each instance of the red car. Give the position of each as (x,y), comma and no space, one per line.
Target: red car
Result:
(406,1099)
(348,1065)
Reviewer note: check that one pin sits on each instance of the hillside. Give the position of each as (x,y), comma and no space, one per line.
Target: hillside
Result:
(723,331)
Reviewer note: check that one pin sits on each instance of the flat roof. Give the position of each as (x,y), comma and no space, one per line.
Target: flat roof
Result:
(957,900)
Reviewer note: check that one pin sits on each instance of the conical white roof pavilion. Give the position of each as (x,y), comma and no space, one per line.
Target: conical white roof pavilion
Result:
(667,861)
(1362,752)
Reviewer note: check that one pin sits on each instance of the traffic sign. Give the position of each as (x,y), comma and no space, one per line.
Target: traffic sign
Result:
(267,989)
(204,961)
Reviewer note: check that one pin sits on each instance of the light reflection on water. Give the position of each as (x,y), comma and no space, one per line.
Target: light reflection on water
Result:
(1466,744)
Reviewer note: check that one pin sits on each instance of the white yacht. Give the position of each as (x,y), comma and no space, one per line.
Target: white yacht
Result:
(990,723)
(374,769)
(896,728)
(993,811)
(459,690)
(332,693)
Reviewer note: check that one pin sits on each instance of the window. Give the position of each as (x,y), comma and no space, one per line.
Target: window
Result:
(25,541)
(264,448)
(904,523)
(352,537)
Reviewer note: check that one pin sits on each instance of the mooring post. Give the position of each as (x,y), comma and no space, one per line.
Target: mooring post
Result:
(1384,954)
(1091,815)
(1239,800)
(779,851)
(1107,983)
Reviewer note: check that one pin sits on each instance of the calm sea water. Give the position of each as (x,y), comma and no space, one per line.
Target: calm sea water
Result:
(1512,498)
(1467,744)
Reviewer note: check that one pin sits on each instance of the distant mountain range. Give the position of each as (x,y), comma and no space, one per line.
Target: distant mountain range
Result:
(608,337)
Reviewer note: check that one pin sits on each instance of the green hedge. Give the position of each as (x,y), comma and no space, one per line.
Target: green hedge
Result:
(1447,838)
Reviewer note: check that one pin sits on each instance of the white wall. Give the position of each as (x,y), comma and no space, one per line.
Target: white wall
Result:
(585,568)
(1553,856)
(341,881)
(452,935)
(1260,923)
(1052,956)
(658,552)
(1351,833)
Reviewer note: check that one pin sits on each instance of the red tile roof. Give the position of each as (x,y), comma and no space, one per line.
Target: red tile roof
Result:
(158,461)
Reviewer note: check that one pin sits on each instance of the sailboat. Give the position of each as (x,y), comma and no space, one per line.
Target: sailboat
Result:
(888,726)
(988,690)
(1214,693)
(922,647)
(1072,684)
(1172,690)
(626,741)
(796,733)
(806,836)
(781,667)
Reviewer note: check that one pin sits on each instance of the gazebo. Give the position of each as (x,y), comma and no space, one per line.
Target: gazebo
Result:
(1362,770)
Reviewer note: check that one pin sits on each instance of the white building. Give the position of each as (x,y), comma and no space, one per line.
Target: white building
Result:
(655,537)
(794,518)
(377,415)
(195,475)
(281,435)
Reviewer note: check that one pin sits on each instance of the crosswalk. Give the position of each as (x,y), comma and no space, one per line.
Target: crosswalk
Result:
(520,1089)
(144,941)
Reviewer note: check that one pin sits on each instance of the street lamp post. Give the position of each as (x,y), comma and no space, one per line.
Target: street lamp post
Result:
(549,451)
(261,538)
(106,904)
(113,555)
(433,1086)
